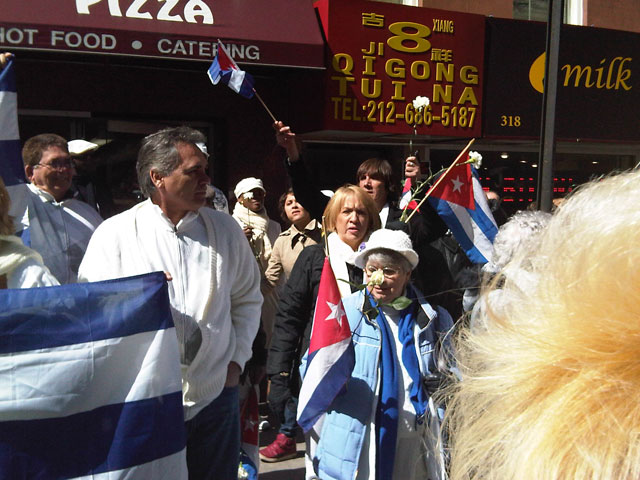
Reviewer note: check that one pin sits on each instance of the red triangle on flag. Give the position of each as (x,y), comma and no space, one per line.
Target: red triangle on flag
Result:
(457,187)
(224,60)
(330,324)
(249,417)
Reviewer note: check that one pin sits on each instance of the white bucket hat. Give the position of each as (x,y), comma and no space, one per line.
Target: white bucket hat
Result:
(246,185)
(384,239)
(79,147)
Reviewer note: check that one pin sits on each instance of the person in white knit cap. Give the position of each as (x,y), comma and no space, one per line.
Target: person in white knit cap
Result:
(261,232)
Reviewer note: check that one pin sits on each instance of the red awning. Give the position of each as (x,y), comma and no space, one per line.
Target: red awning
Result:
(274,32)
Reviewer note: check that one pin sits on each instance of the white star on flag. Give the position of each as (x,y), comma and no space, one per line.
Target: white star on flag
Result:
(336,312)
(249,424)
(457,184)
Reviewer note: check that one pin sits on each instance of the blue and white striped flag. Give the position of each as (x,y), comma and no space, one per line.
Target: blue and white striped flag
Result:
(11,169)
(90,383)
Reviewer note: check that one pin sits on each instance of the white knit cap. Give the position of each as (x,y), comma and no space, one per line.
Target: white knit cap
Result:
(78,147)
(384,239)
(246,185)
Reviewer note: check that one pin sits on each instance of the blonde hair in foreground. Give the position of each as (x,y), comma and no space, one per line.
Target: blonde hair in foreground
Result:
(551,379)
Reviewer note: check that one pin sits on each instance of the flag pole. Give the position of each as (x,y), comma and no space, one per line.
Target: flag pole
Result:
(264,105)
(326,239)
(464,150)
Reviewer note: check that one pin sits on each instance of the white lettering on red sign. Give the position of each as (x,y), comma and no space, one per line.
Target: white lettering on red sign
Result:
(17,36)
(92,41)
(192,10)
(206,49)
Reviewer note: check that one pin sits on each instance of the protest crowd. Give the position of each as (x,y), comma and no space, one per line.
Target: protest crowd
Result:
(402,338)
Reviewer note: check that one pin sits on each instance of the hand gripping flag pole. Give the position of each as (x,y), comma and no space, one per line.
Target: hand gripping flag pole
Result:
(225,69)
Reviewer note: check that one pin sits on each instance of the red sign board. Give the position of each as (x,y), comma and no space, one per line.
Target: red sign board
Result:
(255,32)
(382,56)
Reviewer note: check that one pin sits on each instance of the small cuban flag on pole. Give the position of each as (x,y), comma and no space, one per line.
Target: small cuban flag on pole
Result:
(331,356)
(405,199)
(224,69)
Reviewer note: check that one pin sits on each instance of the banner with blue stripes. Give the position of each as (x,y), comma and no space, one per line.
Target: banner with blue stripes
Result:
(90,383)
(11,169)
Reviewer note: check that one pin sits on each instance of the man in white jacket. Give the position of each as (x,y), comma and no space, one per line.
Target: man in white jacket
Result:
(214,288)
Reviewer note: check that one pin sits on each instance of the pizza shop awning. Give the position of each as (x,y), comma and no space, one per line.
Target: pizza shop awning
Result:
(277,32)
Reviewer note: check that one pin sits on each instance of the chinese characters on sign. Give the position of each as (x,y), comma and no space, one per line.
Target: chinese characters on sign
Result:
(382,56)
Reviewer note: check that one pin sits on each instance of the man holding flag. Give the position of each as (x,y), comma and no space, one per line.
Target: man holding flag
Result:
(214,292)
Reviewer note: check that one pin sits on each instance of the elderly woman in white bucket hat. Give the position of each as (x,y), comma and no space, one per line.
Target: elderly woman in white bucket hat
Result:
(385,425)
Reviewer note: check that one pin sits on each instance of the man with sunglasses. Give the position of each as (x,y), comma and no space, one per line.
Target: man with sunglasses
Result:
(47,217)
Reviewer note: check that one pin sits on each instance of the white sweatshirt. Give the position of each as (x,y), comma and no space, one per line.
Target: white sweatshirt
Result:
(215,292)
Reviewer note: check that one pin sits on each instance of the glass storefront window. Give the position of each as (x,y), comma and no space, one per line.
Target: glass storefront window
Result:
(531,10)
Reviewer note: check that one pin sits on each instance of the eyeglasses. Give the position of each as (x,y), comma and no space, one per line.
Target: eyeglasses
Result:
(388,272)
(60,164)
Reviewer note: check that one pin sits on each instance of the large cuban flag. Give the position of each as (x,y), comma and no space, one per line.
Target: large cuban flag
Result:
(90,382)
(462,204)
(11,169)
(224,68)
(331,358)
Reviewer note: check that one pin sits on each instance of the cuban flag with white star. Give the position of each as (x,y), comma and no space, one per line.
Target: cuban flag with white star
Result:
(331,358)
(462,204)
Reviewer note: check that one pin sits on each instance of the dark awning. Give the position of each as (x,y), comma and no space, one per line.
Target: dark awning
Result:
(274,32)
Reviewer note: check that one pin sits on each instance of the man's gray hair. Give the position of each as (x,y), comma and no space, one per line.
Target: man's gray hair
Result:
(158,152)
(390,258)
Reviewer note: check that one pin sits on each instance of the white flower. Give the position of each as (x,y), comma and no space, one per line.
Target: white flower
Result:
(247,195)
(420,102)
(476,159)
(376,278)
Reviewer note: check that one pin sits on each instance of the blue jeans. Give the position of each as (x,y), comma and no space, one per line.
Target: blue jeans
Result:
(213,439)
(290,426)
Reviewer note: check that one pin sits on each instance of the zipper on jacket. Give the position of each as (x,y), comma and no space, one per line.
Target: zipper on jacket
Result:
(183,303)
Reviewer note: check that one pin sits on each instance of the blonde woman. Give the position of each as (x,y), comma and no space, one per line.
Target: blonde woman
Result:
(350,217)
(550,372)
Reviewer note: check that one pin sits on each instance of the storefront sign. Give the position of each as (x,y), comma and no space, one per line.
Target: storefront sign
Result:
(189,29)
(382,56)
(598,82)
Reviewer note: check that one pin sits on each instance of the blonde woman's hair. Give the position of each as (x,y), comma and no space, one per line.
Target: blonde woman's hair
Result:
(550,374)
(6,223)
(337,201)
